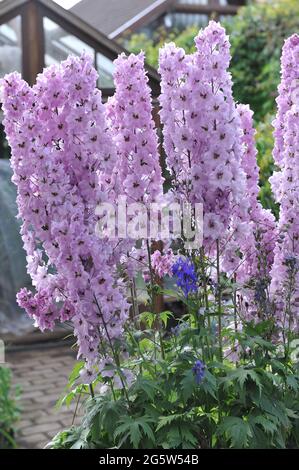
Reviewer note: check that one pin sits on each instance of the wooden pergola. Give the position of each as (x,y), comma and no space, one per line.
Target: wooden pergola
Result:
(33,37)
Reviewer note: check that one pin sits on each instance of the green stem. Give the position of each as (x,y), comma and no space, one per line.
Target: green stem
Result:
(206,298)
(115,356)
(91,390)
(112,390)
(76,409)
(158,323)
(219,301)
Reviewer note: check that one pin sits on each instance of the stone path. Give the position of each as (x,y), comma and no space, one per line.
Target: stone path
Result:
(42,373)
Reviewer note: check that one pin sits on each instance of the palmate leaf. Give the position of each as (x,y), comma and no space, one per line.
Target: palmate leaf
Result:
(168,420)
(189,440)
(273,407)
(108,414)
(292,382)
(81,441)
(209,384)
(236,430)
(187,384)
(173,438)
(164,316)
(241,375)
(258,341)
(148,318)
(135,429)
(149,387)
(267,424)
(180,435)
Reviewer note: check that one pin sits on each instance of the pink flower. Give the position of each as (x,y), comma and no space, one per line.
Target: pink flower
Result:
(61,152)
(162,264)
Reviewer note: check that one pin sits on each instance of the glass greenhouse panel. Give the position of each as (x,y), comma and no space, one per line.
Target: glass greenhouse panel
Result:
(105,68)
(11,46)
(181,21)
(59,43)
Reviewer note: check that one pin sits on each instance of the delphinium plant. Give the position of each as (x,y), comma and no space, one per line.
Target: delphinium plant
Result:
(224,371)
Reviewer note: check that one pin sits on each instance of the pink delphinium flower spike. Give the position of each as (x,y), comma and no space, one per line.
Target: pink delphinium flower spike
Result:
(285,185)
(61,148)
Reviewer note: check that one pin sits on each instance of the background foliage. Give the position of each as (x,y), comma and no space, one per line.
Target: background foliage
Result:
(9,410)
(257,34)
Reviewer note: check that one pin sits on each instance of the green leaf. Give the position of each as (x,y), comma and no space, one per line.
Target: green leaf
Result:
(74,375)
(292,382)
(209,384)
(236,430)
(148,318)
(174,438)
(135,429)
(292,413)
(190,441)
(148,386)
(187,384)
(164,316)
(273,407)
(241,375)
(168,420)
(267,424)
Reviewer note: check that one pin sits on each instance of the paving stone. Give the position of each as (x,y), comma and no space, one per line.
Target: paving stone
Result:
(36,438)
(25,423)
(33,414)
(41,428)
(31,394)
(43,380)
(55,418)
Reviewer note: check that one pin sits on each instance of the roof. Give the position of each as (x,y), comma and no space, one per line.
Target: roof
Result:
(112,17)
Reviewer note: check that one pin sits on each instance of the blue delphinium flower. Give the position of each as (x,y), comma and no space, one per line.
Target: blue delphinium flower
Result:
(199,371)
(184,270)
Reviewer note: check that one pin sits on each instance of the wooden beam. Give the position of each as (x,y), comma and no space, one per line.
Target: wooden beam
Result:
(32,41)
(9,9)
(206,9)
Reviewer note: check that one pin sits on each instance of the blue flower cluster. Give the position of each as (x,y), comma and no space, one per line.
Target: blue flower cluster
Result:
(199,371)
(184,270)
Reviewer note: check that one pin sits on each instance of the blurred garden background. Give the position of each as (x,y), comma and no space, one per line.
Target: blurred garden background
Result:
(37,33)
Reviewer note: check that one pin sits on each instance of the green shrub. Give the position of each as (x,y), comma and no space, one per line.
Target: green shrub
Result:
(257,34)
(9,410)
(137,42)
(253,404)
(265,142)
